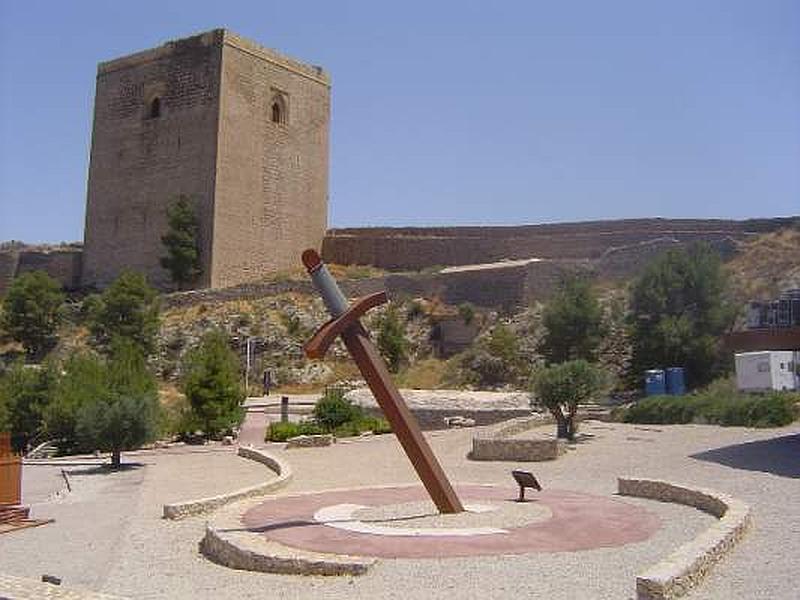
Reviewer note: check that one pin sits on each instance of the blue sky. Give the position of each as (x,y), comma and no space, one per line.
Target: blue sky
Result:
(453,112)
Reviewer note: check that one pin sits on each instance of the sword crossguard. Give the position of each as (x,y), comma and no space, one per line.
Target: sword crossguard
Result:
(319,343)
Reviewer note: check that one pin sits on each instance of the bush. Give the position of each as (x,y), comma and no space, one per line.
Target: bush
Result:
(212,384)
(125,414)
(391,339)
(32,311)
(84,379)
(127,309)
(715,405)
(333,410)
(494,360)
(280,432)
(25,392)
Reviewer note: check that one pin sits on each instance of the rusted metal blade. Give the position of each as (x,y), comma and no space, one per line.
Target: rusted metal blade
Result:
(403,423)
(373,368)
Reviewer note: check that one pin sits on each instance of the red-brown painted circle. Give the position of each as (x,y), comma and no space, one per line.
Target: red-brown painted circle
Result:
(579,522)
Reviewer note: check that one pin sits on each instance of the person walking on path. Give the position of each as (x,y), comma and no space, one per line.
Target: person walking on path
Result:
(267,381)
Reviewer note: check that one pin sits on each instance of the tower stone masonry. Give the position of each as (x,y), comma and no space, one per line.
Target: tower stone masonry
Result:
(239,129)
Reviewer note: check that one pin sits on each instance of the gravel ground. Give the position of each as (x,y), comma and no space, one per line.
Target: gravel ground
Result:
(109,537)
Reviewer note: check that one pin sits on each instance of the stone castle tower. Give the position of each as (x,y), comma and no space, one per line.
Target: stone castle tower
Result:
(240,129)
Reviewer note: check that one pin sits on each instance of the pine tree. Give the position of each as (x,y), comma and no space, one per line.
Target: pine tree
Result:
(182,243)
(212,384)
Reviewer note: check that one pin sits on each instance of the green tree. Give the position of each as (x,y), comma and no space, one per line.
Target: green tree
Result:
(573,319)
(126,414)
(5,414)
(678,313)
(495,359)
(128,309)
(25,392)
(561,387)
(182,243)
(212,384)
(32,311)
(391,339)
(84,379)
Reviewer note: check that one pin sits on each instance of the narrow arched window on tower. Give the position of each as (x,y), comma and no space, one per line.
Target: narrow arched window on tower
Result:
(277,112)
(155,108)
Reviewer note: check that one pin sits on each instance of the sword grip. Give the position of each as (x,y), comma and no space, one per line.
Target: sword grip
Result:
(325,284)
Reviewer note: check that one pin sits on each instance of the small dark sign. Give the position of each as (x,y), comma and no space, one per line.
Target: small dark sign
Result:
(525,479)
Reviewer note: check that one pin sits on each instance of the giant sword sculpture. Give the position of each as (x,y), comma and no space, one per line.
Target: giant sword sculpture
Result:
(345,323)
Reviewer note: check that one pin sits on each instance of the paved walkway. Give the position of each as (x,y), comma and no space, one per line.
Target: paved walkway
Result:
(19,588)
(109,535)
(263,410)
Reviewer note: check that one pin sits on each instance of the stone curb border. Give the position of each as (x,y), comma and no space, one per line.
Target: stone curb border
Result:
(227,542)
(281,468)
(682,570)
(499,443)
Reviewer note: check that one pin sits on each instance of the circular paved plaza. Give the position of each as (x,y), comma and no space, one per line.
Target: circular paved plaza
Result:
(396,522)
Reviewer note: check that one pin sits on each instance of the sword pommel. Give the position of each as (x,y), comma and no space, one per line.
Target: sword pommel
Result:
(311,260)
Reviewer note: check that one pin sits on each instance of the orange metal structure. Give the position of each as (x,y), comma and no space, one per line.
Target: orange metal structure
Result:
(10,473)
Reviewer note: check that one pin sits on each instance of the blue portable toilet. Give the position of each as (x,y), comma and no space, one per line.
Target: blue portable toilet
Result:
(676,381)
(654,382)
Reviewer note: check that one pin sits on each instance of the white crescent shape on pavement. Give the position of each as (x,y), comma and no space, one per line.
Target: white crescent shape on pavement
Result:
(340,516)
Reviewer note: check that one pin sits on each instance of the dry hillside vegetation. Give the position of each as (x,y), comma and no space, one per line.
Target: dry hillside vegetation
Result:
(766,266)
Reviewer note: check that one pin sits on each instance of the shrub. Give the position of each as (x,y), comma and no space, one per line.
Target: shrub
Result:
(280,432)
(391,339)
(25,393)
(32,311)
(84,379)
(714,405)
(494,360)
(125,414)
(333,410)
(128,309)
(212,384)
(467,312)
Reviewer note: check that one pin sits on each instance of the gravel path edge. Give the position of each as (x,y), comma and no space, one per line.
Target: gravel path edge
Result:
(281,468)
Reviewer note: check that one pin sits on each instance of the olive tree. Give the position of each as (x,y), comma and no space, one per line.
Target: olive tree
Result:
(561,387)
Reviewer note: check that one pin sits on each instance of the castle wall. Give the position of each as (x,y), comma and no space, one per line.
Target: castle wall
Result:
(417,248)
(140,163)
(62,265)
(272,177)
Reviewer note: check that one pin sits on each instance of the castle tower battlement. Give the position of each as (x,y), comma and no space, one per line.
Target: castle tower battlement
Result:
(240,129)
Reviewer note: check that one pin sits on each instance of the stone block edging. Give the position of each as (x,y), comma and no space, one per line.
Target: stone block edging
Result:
(682,570)
(228,543)
(281,468)
(499,444)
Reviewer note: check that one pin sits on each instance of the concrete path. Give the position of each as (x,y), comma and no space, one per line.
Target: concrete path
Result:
(263,410)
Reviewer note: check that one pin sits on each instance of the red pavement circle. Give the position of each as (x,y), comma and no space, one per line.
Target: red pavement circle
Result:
(579,522)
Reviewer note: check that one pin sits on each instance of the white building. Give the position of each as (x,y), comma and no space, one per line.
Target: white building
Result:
(767,370)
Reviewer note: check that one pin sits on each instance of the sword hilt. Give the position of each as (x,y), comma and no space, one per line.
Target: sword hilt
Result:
(344,315)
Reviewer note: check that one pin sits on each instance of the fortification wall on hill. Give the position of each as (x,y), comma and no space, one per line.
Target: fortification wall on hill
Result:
(417,248)
(62,263)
